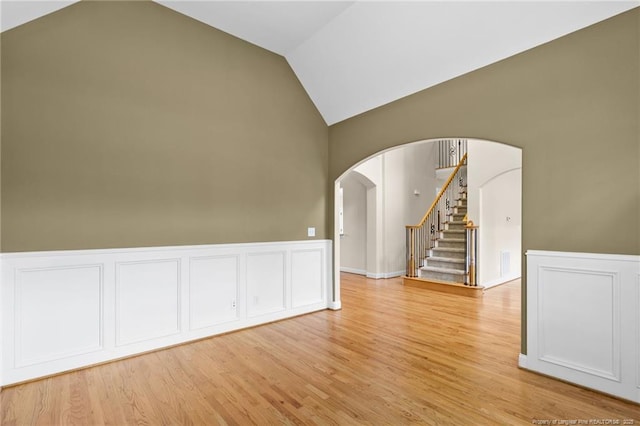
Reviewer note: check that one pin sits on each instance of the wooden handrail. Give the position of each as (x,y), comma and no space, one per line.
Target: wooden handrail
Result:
(442,191)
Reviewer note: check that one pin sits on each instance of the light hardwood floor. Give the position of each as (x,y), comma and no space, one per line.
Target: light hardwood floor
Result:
(393,355)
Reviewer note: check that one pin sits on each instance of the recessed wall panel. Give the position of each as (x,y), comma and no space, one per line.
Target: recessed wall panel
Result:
(637,283)
(265,283)
(306,277)
(213,290)
(579,320)
(147,299)
(58,313)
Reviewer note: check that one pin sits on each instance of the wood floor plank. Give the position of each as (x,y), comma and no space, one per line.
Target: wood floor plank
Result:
(392,355)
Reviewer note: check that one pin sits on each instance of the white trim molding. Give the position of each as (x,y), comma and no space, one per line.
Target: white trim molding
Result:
(394,274)
(335,306)
(384,275)
(63,310)
(356,271)
(500,281)
(522,361)
(583,321)
(375,276)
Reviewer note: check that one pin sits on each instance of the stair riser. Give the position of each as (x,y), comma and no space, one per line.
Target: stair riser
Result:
(438,253)
(442,276)
(452,244)
(460,209)
(456,226)
(457,234)
(449,265)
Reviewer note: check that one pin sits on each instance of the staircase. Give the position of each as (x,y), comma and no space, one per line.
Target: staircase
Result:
(442,247)
(446,260)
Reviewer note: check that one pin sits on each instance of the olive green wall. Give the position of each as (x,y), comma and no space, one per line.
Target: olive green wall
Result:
(572,105)
(125,124)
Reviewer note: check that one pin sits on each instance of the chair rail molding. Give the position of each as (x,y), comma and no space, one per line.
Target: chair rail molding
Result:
(63,310)
(583,320)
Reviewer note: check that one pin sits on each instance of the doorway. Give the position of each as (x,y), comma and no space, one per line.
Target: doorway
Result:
(402,192)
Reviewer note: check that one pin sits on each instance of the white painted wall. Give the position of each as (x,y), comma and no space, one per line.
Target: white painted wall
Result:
(500,229)
(372,169)
(391,179)
(487,160)
(371,174)
(353,250)
(375,227)
(406,170)
(495,204)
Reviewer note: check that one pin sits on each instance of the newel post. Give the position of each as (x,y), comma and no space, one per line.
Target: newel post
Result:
(471,260)
(411,254)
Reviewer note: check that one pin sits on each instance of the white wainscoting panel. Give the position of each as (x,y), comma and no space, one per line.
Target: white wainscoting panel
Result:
(585,334)
(58,313)
(213,290)
(147,300)
(582,319)
(307,277)
(265,283)
(64,310)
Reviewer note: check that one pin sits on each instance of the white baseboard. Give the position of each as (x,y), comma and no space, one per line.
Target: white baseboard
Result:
(500,280)
(384,275)
(353,270)
(64,310)
(583,320)
(335,306)
(375,276)
(522,361)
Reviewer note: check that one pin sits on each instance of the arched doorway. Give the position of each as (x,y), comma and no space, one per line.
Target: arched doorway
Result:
(410,177)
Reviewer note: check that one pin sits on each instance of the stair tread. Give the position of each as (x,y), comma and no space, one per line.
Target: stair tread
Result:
(443,270)
(454,240)
(445,259)
(454,231)
(449,249)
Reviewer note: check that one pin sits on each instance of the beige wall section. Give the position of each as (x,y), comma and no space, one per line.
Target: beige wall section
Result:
(571,105)
(127,124)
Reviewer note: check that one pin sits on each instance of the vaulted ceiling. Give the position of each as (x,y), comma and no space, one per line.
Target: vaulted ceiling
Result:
(353,56)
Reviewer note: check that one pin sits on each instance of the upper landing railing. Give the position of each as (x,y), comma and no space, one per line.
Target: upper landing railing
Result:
(450,152)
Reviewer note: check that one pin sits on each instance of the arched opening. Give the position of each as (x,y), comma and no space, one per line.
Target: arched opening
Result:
(395,187)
